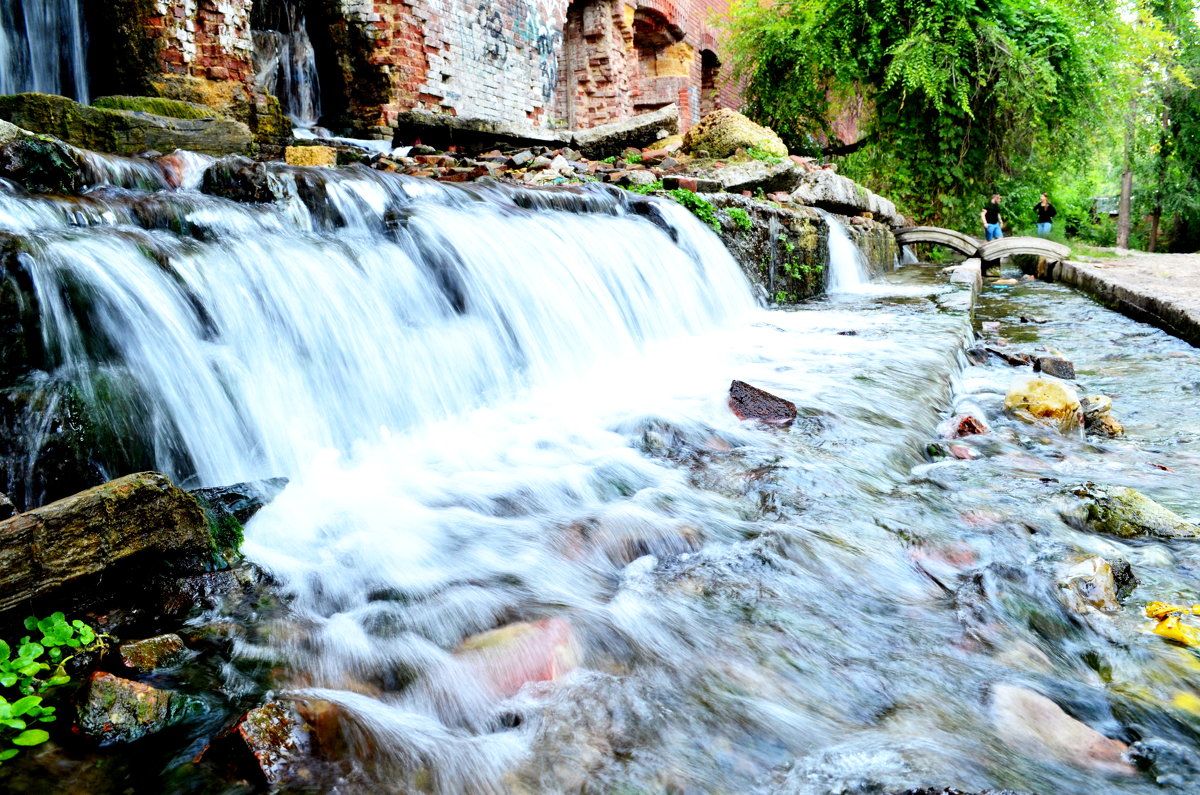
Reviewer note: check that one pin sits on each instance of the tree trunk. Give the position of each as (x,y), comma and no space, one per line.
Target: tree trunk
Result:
(1160,179)
(1123,210)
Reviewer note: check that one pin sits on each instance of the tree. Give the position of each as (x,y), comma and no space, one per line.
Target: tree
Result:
(962,93)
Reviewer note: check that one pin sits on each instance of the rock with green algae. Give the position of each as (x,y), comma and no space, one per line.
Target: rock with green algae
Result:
(39,163)
(158,106)
(120,710)
(278,738)
(724,131)
(140,518)
(123,132)
(1123,512)
(151,654)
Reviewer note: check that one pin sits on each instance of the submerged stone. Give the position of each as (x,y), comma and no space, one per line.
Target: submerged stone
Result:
(1045,401)
(150,654)
(751,403)
(1123,512)
(120,710)
(1090,585)
(1033,725)
(505,659)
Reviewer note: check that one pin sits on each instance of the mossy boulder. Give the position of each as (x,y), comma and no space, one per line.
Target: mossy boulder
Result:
(724,131)
(38,163)
(122,132)
(262,113)
(1123,512)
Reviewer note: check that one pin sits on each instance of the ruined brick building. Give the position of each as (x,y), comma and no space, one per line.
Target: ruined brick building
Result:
(550,63)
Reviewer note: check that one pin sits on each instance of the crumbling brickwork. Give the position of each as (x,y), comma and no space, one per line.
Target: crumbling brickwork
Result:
(552,63)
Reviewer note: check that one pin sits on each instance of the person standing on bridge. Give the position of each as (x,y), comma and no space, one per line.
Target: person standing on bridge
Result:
(1045,216)
(993,224)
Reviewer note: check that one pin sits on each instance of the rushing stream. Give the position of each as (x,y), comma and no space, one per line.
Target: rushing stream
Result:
(507,410)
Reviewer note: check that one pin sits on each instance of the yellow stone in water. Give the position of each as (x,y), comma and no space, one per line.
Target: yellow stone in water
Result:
(1173,628)
(310,156)
(1045,401)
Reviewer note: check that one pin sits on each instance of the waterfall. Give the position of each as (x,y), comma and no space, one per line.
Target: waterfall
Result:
(848,270)
(43,48)
(286,64)
(267,335)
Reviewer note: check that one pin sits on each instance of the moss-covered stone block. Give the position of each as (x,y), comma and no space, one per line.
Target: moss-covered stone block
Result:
(171,108)
(122,132)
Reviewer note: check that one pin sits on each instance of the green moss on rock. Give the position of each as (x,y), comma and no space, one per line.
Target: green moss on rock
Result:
(1123,512)
(171,108)
(724,131)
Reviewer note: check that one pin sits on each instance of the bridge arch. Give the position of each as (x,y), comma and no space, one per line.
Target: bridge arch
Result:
(963,244)
(988,252)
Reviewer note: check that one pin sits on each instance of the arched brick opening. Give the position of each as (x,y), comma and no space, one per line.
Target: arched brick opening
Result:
(710,70)
(664,60)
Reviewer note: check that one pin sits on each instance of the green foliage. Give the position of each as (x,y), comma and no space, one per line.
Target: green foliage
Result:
(656,185)
(610,159)
(700,207)
(633,158)
(950,97)
(740,218)
(755,153)
(33,667)
(170,108)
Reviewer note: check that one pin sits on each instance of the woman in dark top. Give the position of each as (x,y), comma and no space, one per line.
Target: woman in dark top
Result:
(992,222)
(1045,216)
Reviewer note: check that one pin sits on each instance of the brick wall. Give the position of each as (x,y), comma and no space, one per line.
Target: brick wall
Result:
(576,63)
(208,39)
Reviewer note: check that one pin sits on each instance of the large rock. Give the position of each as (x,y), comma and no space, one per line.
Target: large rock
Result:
(473,135)
(278,739)
(1090,585)
(241,179)
(119,710)
(639,131)
(123,132)
(757,175)
(831,191)
(724,131)
(1123,512)
(1045,401)
(137,518)
(39,163)
(1033,725)
(150,654)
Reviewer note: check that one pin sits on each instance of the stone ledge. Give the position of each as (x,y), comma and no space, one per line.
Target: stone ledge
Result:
(1172,315)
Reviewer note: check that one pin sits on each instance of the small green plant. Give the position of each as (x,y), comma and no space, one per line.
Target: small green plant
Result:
(644,189)
(783,297)
(610,159)
(762,154)
(760,194)
(633,158)
(37,666)
(701,208)
(740,218)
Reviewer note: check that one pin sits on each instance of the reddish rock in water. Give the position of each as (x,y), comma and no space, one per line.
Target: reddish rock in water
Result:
(277,737)
(506,658)
(964,425)
(751,403)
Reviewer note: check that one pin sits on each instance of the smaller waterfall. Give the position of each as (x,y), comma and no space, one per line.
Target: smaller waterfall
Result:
(43,48)
(848,270)
(907,257)
(286,65)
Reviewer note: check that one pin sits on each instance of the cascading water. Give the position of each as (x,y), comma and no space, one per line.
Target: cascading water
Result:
(848,270)
(526,546)
(286,63)
(43,48)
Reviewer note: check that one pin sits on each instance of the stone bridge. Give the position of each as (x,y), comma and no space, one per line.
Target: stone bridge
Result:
(990,252)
